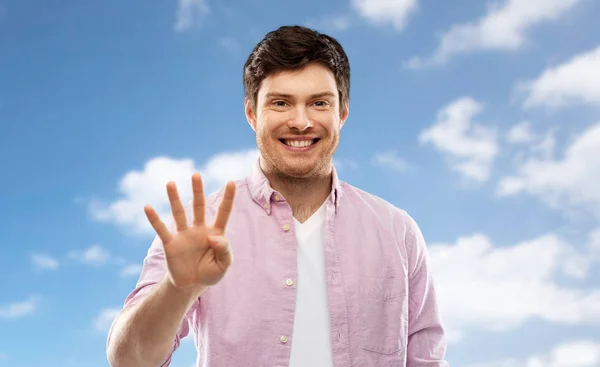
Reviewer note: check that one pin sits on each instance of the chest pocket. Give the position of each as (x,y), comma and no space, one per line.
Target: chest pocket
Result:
(384,317)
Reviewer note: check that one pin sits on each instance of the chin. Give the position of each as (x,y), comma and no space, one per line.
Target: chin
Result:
(300,169)
(292,164)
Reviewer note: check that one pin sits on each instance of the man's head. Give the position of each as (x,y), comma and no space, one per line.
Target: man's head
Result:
(297,85)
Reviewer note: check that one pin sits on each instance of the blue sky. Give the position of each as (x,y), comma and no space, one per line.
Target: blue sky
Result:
(481,120)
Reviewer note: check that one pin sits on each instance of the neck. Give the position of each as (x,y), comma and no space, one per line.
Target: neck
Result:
(305,195)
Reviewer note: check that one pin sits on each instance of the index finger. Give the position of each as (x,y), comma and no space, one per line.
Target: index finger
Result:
(159,226)
(225,207)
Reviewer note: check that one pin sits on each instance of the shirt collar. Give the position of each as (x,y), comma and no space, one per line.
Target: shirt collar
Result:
(263,194)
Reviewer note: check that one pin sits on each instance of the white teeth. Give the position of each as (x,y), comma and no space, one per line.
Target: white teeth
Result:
(298,143)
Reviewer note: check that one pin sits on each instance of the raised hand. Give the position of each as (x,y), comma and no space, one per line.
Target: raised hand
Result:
(197,255)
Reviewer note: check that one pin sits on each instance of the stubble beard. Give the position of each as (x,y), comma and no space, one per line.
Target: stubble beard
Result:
(285,171)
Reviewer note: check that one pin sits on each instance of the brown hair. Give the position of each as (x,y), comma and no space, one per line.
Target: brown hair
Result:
(293,47)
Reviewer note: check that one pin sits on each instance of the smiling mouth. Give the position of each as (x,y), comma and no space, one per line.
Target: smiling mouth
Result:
(299,143)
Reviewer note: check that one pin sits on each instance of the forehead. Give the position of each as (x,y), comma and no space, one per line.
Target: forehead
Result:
(313,78)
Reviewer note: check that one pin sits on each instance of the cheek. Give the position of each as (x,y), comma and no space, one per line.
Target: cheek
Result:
(269,123)
(262,123)
(265,131)
(331,124)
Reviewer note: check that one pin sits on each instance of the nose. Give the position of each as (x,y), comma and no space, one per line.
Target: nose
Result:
(300,119)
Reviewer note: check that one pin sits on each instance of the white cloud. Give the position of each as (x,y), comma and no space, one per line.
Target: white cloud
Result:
(18,309)
(568,182)
(530,144)
(513,284)
(131,270)
(545,145)
(390,159)
(330,23)
(469,147)
(94,255)
(138,188)
(577,353)
(594,242)
(520,133)
(394,12)
(190,12)
(230,44)
(503,28)
(340,23)
(44,262)
(575,82)
(343,164)
(105,318)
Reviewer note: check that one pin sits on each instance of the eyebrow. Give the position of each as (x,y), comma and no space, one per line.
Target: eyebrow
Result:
(284,95)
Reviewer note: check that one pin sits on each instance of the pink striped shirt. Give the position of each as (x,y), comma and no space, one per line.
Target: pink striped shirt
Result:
(380,294)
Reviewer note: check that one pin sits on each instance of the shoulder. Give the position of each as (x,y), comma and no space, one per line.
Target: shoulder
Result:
(391,217)
(360,199)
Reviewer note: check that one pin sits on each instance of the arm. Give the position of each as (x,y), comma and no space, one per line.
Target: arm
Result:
(147,333)
(186,257)
(152,322)
(426,339)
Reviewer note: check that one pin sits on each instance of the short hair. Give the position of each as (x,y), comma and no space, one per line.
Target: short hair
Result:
(291,48)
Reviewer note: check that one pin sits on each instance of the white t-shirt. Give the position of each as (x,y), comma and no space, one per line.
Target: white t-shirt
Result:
(311,342)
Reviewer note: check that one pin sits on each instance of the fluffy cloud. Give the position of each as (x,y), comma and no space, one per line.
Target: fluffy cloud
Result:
(594,242)
(345,164)
(513,284)
(230,44)
(330,23)
(578,353)
(393,12)
(18,309)
(574,82)
(469,147)
(131,270)
(105,318)
(390,159)
(138,188)
(520,133)
(570,181)
(190,12)
(503,28)
(44,262)
(94,255)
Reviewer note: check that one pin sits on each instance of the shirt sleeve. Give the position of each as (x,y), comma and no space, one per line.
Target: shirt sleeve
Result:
(154,268)
(426,338)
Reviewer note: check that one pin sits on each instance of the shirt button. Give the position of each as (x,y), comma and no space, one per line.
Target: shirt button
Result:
(266,205)
(289,282)
(277,197)
(286,227)
(283,339)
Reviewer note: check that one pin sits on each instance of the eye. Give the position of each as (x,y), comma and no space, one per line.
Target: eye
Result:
(321,103)
(279,103)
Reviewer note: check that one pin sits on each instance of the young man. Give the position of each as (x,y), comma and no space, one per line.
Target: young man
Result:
(324,274)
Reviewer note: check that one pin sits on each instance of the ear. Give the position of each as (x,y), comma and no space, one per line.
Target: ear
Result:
(344,114)
(250,115)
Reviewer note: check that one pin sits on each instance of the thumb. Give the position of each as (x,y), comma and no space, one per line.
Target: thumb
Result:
(220,245)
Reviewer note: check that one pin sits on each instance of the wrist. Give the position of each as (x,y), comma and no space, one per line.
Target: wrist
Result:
(188,293)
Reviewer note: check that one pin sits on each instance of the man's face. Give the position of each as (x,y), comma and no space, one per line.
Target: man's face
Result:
(297,120)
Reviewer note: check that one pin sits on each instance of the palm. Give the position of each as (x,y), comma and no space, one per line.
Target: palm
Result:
(197,254)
